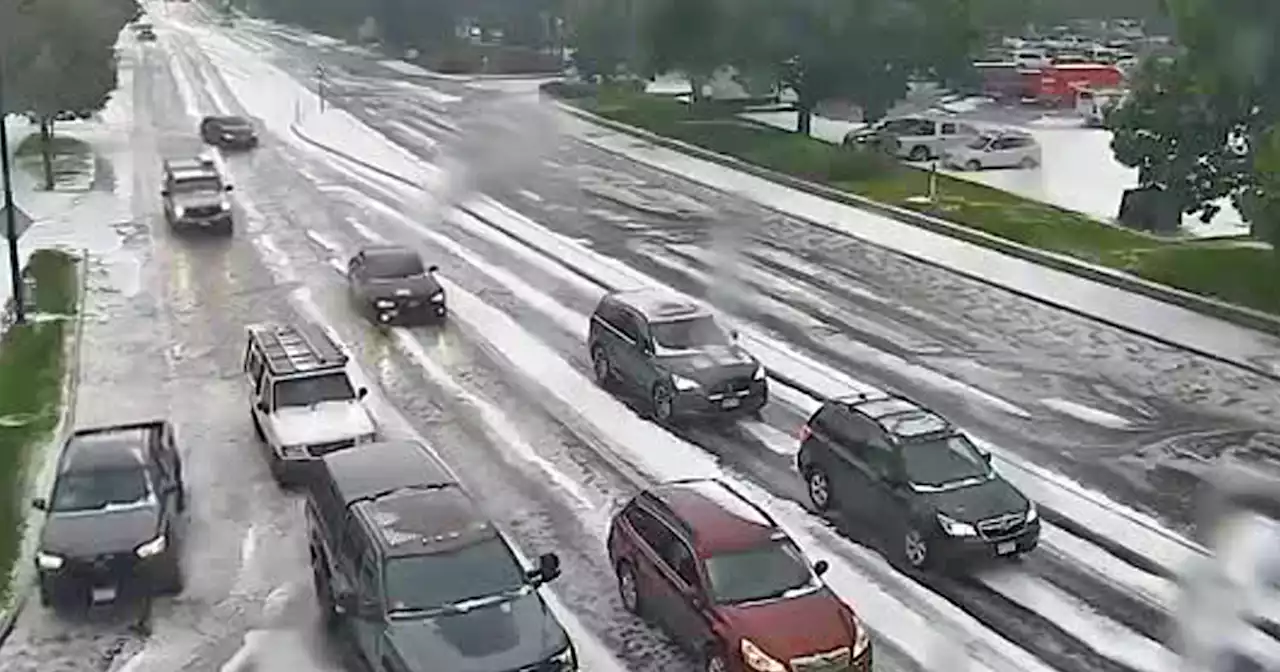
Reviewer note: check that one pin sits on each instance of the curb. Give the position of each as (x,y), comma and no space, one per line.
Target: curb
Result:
(21,580)
(1237,315)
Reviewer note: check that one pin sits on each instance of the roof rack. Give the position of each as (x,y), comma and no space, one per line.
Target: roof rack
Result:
(296,349)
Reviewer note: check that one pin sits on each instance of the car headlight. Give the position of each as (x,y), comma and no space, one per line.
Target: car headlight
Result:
(956,528)
(180,211)
(755,659)
(567,659)
(294,451)
(861,637)
(154,547)
(49,560)
(384,303)
(438,297)
(1033,514)
(684,384)
(225,206)
(760,373)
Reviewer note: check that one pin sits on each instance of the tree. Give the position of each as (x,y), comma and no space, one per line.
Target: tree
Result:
(1263,203)
(601,34)
(62,60)
(686,36)
(1192,125)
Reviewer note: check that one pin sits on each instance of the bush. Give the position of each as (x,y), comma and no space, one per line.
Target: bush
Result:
(498,59)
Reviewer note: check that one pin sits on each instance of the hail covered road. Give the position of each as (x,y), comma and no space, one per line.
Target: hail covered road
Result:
(503,391)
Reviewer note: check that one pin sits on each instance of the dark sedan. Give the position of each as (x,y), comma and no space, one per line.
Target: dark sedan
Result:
(228,132)
(392,285)
(113,517)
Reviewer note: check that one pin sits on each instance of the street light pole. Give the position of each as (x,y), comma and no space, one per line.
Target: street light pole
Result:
(10,210)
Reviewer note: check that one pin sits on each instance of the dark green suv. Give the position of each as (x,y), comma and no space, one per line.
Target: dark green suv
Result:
(915,481)
(671,352)
(415,578)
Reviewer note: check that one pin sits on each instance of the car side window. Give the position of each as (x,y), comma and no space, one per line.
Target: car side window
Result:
(629,327)
(351,543)
(367,579)
(654,532)
(608,313)
(681,559)
(949,128)
(846,429)
(357,265)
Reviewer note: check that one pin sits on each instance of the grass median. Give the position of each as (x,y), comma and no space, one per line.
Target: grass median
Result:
(32,367)
(1231,270)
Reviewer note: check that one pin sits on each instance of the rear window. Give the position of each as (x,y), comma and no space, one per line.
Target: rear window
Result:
(389,266)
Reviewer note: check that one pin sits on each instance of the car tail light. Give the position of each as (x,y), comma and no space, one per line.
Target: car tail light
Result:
(804,433)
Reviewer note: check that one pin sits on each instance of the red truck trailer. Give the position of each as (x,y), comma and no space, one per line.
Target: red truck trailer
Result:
(1057,85)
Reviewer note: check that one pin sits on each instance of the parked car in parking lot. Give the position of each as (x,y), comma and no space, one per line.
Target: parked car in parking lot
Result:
(114,516)
(718,574)
(996,149)
(672,353)
(915,480)
(915,138)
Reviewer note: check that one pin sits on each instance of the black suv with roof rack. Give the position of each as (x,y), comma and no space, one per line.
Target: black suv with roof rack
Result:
(416,578)
(916,479)
(672,352)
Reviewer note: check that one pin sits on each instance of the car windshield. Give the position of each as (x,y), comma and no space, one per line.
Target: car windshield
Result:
(774,570)
(235,124)
(979,142)
(100,489)
(939,462)
(699,332)
(197,184)
(441,580)
(392,266)
(314,390)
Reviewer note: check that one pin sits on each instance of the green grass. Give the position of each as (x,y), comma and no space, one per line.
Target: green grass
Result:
(1231,270)
(31,375)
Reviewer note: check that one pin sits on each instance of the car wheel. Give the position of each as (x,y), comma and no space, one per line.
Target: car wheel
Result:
(324,596)
(915,549)
(257,428)
(919,153)
(629,589)
(601,366)
(661,402)
(972,165)
(818,484)
(182,497)
(716,663)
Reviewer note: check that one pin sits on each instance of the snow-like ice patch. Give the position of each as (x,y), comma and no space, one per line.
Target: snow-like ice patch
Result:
(1087,414)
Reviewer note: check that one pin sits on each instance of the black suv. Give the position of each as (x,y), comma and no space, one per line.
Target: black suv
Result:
(114,516)
(228,132)
(919,482)
(391,284)
(416,578)
(672,352)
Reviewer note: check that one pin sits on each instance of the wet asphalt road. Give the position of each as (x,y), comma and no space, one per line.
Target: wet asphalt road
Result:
(173,348)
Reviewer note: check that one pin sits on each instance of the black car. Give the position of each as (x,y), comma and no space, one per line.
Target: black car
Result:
(413,576)
(392,285)
(673,354)
(114,516)
(229,132)
(916,480)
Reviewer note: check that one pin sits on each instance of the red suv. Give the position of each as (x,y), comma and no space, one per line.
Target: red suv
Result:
(726,582)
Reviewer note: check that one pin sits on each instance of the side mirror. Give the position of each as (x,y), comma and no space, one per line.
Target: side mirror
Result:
(820,567)
(548,567)
(228,188)
(362,393)
(433,269)
(986,457)
(262,406)
(40,504)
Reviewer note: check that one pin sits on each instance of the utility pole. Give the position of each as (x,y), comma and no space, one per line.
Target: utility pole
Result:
(322,85)
(10,209)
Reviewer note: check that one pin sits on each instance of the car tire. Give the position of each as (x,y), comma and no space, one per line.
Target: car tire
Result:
(972,165)
(182,496)
(662,403)
(629,589)
(818,486)
(601,366)
(715,662)
(227,227)
(915,549)
(919,153)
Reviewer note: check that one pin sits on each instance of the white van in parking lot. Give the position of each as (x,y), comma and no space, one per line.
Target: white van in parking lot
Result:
(915,138)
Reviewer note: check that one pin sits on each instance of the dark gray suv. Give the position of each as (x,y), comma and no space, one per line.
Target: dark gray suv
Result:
(672,353)
(415,578)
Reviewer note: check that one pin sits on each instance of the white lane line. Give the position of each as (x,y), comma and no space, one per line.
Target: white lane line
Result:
(324,242)
(1087,414)
(1155,590)
(773,438)
(530,196)
(1104,635)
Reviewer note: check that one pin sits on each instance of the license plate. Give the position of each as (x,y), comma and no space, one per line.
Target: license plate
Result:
(104,594)
(731,403)
(1006,548)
